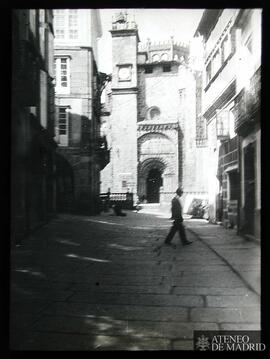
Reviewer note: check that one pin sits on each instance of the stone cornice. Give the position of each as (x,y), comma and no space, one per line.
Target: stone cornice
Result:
(160,63)
(125,33)
(158,127)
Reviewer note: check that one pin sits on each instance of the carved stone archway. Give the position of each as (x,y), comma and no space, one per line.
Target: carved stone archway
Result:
(151,170)
(157,153)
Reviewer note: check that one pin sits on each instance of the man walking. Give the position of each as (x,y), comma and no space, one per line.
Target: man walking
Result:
(178,220)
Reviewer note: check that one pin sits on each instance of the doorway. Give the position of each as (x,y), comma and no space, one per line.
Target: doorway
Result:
(153,184)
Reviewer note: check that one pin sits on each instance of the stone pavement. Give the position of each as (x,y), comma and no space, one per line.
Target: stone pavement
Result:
(108,283)
(242,255)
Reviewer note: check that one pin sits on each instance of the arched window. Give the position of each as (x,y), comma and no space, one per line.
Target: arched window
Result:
(164,57)
(153,113)
(155,58)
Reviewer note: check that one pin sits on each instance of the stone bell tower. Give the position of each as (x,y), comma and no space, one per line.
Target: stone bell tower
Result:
(124,105)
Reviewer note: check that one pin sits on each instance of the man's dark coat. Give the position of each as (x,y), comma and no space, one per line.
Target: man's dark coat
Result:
(176,209)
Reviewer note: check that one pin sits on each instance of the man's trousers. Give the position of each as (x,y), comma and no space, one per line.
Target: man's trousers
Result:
(177,226)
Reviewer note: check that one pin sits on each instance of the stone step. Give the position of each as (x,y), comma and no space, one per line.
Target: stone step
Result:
(150,207)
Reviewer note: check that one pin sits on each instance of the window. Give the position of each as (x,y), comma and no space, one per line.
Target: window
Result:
(164,57)
(226,48)
(66,24)
(59,34)
(73,18)
(58,12)
(232,123)
(153,113)
(155,58)
(63,122)
(62,74)
(59,24)
(233,185)
(208,72)
(221,54)
(73,24)
(73,34)
(216,62)
(59,18)
(248,44)
(167,68)
(149,70)
(234,33)
(222,123)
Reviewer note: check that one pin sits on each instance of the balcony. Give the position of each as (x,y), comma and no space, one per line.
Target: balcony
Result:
(222,124)
(201,132)
(247,105)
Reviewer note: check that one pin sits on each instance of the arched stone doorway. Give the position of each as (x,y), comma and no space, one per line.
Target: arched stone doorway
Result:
(150,179)
(153,184)
(157,166)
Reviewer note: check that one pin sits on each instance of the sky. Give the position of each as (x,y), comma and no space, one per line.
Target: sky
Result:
(156,24)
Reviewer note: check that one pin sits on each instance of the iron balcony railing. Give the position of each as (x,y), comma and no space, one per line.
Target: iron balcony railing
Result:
(248,102)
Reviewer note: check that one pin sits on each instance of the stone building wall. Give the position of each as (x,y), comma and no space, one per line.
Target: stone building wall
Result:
(124,148)
(81,192)
(32,125)
(159,122)
(159,89)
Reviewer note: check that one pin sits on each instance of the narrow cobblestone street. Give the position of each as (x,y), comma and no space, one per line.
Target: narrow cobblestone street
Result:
(109,283)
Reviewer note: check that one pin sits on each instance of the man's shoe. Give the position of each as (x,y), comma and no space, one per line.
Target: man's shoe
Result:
(186,243)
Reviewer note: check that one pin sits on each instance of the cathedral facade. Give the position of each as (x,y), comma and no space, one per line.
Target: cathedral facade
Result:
(152,129)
